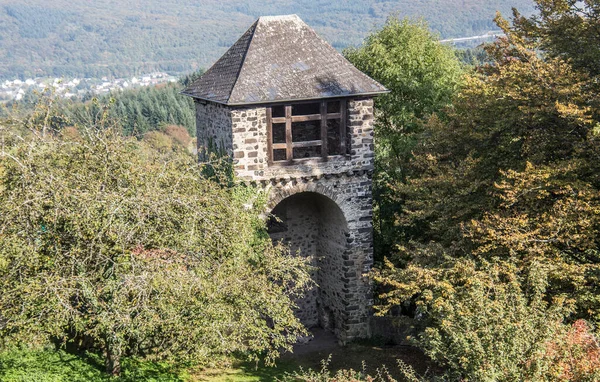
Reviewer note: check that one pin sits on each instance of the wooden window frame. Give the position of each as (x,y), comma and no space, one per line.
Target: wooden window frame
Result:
(288,119)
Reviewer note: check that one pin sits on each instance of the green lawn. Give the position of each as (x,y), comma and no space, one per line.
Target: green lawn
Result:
(57,366)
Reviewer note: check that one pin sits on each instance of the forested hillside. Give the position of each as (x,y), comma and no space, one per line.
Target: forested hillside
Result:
(139,110)
(116,38)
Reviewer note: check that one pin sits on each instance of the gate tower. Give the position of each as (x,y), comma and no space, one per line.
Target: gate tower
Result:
(297,119)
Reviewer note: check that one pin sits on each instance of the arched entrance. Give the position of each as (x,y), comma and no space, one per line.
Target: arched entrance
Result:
(313,225)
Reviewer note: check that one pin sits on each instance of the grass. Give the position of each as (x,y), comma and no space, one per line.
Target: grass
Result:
(244,371)
(49,365)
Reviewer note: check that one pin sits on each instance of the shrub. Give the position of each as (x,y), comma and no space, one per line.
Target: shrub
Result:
(108,241)
(484,321)
(350,375)
(159,141)
(179,135)
(575,355)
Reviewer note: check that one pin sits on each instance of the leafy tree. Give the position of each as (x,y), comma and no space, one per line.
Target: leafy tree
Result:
(502,190)
(502,120)
(568,29)
(472,56)
(422,76)
(109,243)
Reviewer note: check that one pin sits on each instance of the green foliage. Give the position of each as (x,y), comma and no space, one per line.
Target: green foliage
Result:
(343,375)
(499,215)
(567,29)
(188,79)
(485,321)
(80,39)
(548,215)
(500,121)
(108,243)
(382,374)
(48,365)
(422,76)
(473,56)
(138,111)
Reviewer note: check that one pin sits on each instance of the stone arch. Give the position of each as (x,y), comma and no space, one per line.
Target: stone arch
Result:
(285,190)
(311,223)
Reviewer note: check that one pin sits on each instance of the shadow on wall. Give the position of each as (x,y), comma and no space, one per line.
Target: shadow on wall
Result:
(312,225)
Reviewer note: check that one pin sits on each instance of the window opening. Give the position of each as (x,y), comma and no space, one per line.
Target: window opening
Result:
(279,133)
(306,130)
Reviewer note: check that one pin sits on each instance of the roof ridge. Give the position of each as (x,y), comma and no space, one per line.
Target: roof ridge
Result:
(291,16)
(237,77)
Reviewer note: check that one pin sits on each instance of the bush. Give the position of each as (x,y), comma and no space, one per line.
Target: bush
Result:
(179,135)
(575,355)
(491,321)
(159,141)
(109,243)
(350,375)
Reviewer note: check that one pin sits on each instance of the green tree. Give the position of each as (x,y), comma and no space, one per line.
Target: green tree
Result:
(568,29)
(138,110)
(485,321)
(107,241)
(422,76)
(502,205)
(188,79)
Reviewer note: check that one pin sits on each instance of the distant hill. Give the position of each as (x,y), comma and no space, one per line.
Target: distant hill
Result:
(119,38)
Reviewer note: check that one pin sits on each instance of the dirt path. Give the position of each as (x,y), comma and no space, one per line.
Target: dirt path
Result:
(354,356)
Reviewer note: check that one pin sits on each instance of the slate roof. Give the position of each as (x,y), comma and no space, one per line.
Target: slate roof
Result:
(280,58)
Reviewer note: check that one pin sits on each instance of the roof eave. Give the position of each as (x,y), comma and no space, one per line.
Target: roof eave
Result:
(364,94)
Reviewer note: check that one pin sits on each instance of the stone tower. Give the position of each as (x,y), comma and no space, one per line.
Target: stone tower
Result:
(297,118)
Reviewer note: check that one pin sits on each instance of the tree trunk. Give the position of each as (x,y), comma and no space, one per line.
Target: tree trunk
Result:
(113,355)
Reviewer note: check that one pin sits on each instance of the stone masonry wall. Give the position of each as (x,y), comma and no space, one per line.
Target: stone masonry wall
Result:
(250,145)
(333,233)
(301,235)
(213,129)
(313,226)
(341,242)
(249,126)
(343,263)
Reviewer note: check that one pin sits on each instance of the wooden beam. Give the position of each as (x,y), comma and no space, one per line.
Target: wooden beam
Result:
(324,129)
(307,144)
(303,118)
(288,133)
(270,135)
(289,145)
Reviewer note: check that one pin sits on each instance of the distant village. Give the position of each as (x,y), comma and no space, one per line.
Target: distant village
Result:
(78,87)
